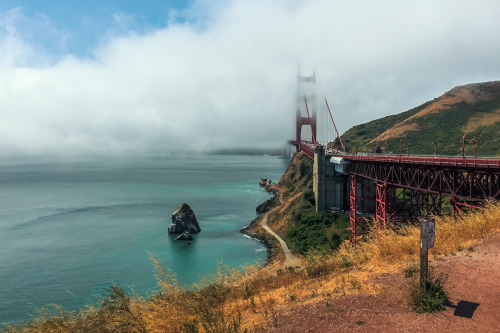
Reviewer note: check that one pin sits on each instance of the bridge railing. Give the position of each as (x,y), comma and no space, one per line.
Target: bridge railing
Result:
(428,160)
(472,162)
(308,150)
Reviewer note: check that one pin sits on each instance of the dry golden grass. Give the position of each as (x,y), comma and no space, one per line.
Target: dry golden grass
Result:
(481,119)
(397,131)
(233,301)
(457,95)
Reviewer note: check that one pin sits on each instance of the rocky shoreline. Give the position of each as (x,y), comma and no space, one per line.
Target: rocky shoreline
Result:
(269,241)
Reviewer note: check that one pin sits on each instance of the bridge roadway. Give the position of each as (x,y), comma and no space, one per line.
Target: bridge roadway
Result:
(457,162)
(468,179)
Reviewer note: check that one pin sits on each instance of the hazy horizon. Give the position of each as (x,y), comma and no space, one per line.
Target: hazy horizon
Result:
(97,77)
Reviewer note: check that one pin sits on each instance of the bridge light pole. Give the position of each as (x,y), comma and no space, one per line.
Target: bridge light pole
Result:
(435,149)
(400,143)
(463,146)
(474,143)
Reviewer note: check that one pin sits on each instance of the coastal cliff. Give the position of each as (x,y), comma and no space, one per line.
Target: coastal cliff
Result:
(294,183)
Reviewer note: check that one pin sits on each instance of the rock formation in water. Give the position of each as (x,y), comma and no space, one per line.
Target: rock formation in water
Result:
(184,236)
(268,184)
(263,182)
(183,219)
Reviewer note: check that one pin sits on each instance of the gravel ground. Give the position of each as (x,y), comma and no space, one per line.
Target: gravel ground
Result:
(474,292)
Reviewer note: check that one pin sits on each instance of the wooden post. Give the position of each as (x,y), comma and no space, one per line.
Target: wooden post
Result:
(424,267)
(427,235)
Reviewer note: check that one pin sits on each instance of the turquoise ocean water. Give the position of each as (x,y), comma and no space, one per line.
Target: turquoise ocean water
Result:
(69,229)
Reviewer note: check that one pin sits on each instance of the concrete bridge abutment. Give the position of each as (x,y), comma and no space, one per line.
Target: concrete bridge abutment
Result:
(330,186)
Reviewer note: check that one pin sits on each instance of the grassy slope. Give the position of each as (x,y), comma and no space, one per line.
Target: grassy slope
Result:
(361,135)
(444,127)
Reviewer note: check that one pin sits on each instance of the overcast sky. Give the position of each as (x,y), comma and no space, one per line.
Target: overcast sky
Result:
(127,76)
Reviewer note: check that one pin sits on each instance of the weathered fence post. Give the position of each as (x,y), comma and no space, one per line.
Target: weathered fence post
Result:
(427,235)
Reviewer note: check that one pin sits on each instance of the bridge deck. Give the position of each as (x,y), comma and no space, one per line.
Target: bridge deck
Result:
(456,162)
(468,162)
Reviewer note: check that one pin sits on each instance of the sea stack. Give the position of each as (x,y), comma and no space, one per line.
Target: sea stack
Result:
(183,219)
(184,236)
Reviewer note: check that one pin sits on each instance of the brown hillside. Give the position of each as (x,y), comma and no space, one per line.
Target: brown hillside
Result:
(469,94)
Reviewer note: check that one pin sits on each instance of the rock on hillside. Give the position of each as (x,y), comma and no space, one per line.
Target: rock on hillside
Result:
(183,219)
(473,110)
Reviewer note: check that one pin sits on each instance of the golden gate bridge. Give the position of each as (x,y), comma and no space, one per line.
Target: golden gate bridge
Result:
(385,189)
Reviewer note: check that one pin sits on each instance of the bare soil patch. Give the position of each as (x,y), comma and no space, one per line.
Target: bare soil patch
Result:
(474,291)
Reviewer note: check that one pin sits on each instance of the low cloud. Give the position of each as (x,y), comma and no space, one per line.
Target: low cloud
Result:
(227,77)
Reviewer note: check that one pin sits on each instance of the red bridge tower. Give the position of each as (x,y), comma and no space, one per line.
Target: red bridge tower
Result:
(306,96)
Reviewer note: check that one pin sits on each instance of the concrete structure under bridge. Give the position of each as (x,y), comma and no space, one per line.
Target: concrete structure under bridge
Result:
(330,182)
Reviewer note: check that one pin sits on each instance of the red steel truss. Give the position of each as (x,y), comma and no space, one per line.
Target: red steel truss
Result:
(463,183)
(409,187)
(352,211)
(421,187)
(361,194)
(455,207)
(381,205)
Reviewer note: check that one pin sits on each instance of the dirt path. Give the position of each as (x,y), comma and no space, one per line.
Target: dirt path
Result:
(291,259)
(473,287)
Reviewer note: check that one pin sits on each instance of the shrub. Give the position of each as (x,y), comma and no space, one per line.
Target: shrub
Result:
(323,231)
(429,298)
(306,168)
(117,307)
(309,196)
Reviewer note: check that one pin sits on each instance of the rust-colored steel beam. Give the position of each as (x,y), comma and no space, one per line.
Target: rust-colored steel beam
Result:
(465,183)
(352,211)
(381,205)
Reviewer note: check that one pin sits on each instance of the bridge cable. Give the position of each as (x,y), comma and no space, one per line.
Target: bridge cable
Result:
(320,82)
(334,125)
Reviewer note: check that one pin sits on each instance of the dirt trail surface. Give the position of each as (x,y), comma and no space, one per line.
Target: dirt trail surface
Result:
(473,286)
(291,260)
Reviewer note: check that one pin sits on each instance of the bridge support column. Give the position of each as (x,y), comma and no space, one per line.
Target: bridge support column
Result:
(381,205)
(352,210)
(362,195)
(385,198)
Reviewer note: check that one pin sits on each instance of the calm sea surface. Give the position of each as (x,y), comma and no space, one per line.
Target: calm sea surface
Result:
(70,229)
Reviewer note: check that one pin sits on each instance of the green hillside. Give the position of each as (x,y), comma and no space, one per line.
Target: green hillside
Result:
(473,110)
